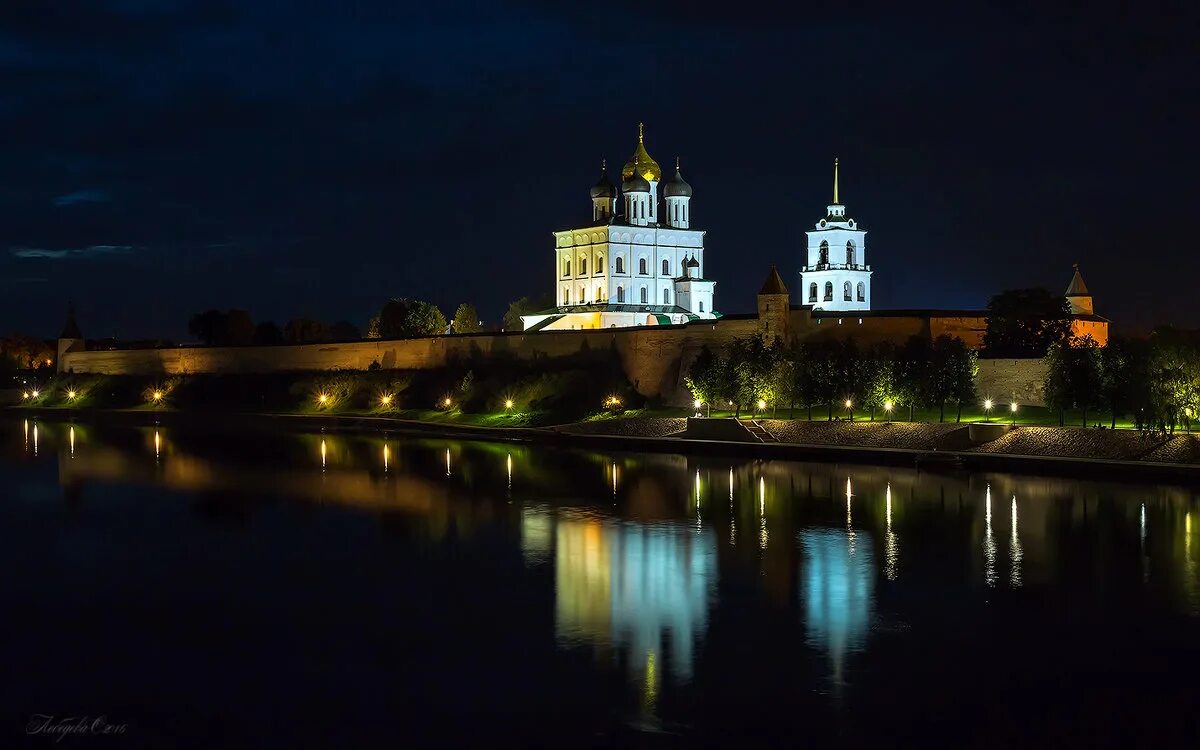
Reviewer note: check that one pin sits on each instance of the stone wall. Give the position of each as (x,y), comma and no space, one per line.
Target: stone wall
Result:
(655,358)
(1004,380)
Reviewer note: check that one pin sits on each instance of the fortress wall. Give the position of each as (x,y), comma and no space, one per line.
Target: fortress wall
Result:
(1006,379)
(655,358)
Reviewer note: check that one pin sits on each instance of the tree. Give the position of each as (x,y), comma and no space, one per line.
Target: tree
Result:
(912,372)
(1025,323)
(407,318)
(239,328)
(466,319)
(805,376)
(752,363)
(1118,376)
(267,333)
(304,331)
(880,378)
(951,374)
(1074,376)
(707,377)
(344,330)
(524,306)
(826,373)
(208,326)
(1056,389)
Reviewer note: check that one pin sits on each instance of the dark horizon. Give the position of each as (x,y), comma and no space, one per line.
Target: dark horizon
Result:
(166,158)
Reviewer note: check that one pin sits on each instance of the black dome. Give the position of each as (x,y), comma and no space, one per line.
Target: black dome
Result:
(677,187)
(604,188)
(635,183)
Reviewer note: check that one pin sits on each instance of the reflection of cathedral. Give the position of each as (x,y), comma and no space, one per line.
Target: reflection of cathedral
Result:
(629,584)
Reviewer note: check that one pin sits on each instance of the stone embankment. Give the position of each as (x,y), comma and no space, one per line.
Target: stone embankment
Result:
(1041,442)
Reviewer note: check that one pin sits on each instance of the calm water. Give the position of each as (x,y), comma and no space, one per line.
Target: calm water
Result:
(288,589)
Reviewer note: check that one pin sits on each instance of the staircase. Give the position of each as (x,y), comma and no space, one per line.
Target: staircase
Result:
(759,432)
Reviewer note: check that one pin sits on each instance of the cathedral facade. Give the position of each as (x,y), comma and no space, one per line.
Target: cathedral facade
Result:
(639,262)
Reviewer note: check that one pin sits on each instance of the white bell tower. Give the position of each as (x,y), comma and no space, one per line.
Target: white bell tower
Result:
(835,275)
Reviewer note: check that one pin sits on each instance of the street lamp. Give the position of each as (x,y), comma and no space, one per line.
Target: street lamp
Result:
(888,406)
(508,404)
(385,400)
(987,407)
(1013,408)
(850,409)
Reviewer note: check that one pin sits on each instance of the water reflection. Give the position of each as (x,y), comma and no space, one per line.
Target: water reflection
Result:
(624,555)
(838,582)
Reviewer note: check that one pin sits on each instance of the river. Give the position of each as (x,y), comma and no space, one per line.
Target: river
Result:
(293,589)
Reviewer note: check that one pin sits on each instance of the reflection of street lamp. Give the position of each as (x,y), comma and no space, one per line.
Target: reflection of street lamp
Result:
(850,409)
(1013,408)
(887,406)
(987,408)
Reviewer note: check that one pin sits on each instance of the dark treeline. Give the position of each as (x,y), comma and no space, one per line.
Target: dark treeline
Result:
(1156,381)
(836,377)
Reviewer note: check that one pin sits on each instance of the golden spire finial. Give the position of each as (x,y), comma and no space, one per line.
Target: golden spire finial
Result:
(835,181)
(603,165)
(676,163)
(641,132)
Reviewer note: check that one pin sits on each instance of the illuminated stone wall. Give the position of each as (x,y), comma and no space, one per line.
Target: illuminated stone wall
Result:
(1006,379)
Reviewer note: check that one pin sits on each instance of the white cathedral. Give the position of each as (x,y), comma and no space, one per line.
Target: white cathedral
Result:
(638,263)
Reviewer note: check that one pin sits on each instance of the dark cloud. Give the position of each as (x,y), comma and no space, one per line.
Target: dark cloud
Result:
(91,251)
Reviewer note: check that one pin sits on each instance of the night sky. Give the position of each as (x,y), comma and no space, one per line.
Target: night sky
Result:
(315,158)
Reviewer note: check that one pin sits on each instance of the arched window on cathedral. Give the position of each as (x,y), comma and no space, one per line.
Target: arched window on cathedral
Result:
(850,260)
(823,260)
(567,269)
(644,297)
(862,292)
(642,266)
(599,264)
(666,267)
(582,295)
(599,294)
(583,266)
(829,291)
(566,295)
(666,296)
(846,294)
(620,264)
(620,294)
(812,292)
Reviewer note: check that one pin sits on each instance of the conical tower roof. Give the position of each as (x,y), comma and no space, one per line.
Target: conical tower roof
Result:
(71,328)
(774,283)
(1077,288)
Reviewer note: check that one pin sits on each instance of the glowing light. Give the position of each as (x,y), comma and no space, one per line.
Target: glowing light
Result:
(157,445)
(887,405)
(447,462)
(1013,407)
(35,392)
(849,403)
(987,404)
(322,398)
(1016,554)
(508,403)
(446,402)
(612,401)
(891,546)
(761,404)
(157,395)
(71,439)
(762,496)
(386,453)
(70,394)
(25,395)
(385,400)
(989,543)
(323,452)
(508,462)
(35,440)
(697,403)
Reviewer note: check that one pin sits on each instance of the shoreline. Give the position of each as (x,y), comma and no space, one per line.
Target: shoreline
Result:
(944,460)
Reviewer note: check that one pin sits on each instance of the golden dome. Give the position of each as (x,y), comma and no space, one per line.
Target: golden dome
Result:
(642,162)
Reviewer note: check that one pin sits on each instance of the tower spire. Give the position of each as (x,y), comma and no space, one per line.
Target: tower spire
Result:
(641,132)
(835,181)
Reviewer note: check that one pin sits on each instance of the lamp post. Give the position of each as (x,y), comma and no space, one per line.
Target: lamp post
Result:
(1013,408)
(850,409)
(987,409)
(887,407)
